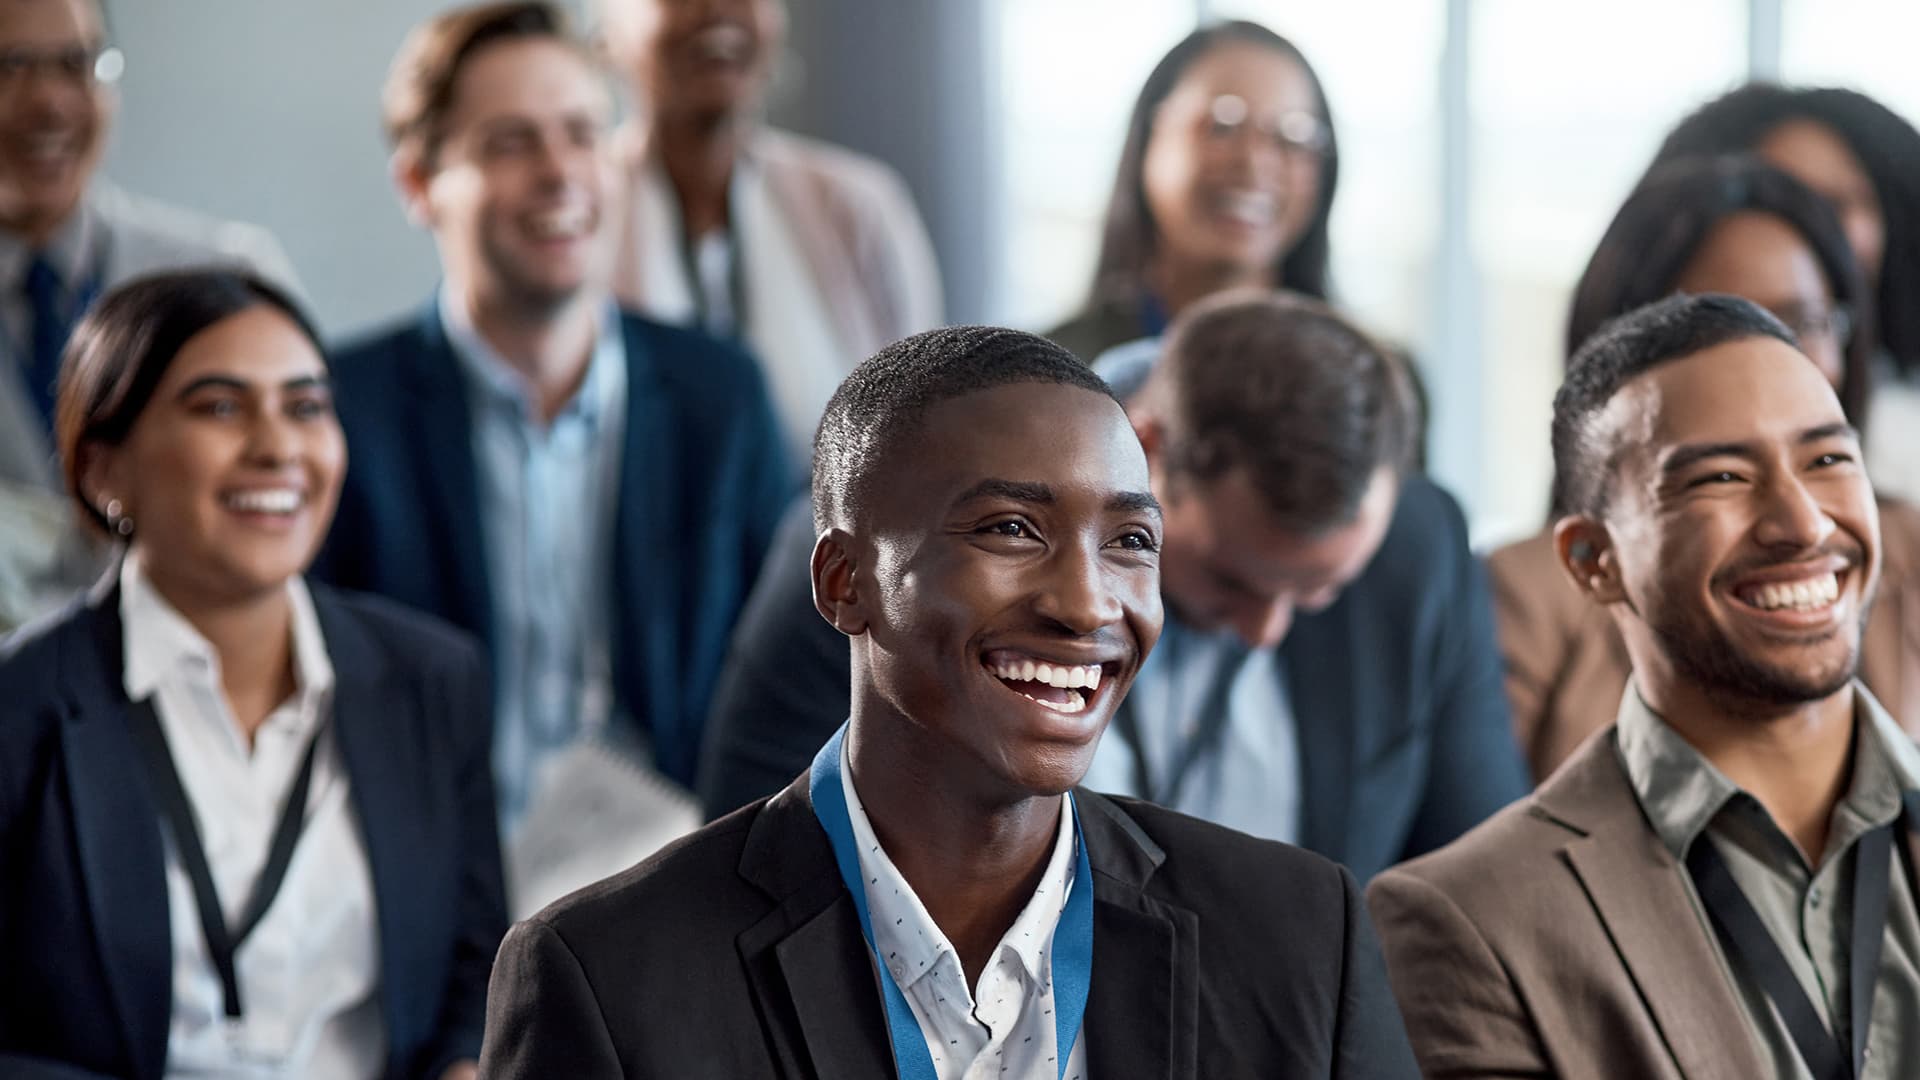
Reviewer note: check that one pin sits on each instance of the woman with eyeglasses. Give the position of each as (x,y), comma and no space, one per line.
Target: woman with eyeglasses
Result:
(1724,225)
(1226,179)
(1864,159)
(246,823)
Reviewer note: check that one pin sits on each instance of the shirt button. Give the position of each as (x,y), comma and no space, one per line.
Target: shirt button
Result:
(1813,896)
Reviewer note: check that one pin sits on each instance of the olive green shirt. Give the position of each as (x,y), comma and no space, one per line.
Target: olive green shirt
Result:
(1806,909)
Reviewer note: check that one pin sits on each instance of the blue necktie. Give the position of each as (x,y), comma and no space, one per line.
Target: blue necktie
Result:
(51,325)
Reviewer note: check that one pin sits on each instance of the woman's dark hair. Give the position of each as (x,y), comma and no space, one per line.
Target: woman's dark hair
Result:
(122,349)
(1888,149)
(1664,222)
(1130,237)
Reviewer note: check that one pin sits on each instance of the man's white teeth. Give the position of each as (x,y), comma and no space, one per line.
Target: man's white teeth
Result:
(1248,207)
(1075,703)
(276,501)
(1796,595)
(44,148)
(559,224)
(724,42)
(1064,676)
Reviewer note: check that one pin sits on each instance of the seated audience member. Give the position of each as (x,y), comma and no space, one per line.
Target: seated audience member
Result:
(1226,180)
(588,491)
(935,895)
(1865,160)
(1329,676)
(66,234)
(1716,886)
(246,824)
(810,253)
(1723,225)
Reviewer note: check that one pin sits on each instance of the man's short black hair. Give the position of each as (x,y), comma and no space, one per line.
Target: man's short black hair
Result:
(1623,349)
(886,398)
(1282,386)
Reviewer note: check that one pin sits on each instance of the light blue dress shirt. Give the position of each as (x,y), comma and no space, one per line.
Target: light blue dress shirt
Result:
(548,496)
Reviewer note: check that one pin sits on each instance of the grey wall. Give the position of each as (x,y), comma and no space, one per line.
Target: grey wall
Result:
(268,111)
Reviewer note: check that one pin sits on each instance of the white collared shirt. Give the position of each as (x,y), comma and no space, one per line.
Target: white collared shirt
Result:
(309,972)
(1004,1026)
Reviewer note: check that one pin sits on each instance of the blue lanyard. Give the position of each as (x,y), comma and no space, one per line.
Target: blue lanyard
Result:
(1072,953)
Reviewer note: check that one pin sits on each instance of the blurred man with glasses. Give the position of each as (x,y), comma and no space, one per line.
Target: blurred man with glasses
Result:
(66,235)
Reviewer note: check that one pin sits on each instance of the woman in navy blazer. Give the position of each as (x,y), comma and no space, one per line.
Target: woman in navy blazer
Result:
(205,750)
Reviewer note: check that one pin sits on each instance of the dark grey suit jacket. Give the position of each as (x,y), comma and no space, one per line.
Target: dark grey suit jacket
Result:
(736,953)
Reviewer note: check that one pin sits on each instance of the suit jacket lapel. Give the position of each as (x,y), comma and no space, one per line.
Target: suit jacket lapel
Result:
(1143,1014)
(382,776)
(117,830)
(806,961)
(645,644)
(444,444)
(1641,898)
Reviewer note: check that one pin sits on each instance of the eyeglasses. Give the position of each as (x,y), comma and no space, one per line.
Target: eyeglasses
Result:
(1294,132)
(80,65)
(1833,324)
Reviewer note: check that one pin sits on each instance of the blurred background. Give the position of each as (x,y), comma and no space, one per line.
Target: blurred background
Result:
(1484,146)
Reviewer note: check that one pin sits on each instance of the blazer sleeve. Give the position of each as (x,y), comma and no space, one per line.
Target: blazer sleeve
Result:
(1372,1040)
(784,689)
(1475,766)
(481,917)
(1463,1014)
(543,1015)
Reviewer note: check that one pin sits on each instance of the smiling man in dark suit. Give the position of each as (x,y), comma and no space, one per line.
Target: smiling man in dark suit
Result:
(1329,674)
(936,894)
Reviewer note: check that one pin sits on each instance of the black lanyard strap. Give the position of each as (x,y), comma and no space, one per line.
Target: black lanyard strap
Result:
(1208,730)
(152,743)
(1828,1055)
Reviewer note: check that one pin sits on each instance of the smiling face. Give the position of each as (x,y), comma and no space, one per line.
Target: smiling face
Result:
(232,470)
(1007,586)
(704,60)
(53,114)
(1229,565)
(1761,258)
(514,190)
(1231,173)
(1742,528)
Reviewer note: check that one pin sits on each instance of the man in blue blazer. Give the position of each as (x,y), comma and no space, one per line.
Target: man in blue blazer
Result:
(589,492)
(1328,675)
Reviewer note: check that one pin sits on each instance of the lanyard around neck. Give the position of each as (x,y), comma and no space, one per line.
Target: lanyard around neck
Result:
(1752,950)
(222,943)
(1071,955)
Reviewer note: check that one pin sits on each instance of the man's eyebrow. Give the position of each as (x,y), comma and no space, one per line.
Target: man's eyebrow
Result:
(1014,490)
(1685,457)
(1134,502)
(1839,429)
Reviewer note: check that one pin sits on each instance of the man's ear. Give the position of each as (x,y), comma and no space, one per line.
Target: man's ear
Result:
(411,175)
(836,588)
(1587,555)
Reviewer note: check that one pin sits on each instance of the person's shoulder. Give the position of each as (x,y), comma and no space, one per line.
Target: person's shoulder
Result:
(1530,559)
(1209,863)
(31,655)
(426,642)
(1489,868)
(1430,511)
(698,369)
(148,234)
(373,350)
(687,891)
(856,177)
(1899,540)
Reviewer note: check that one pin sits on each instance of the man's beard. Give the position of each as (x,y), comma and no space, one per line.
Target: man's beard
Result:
(1702,654)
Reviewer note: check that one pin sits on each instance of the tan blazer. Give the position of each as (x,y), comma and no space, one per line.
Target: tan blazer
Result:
(1567,667)
(1558,939)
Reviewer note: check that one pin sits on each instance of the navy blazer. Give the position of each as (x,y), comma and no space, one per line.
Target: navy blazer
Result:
(87,982)
(702,481)
(1405,738)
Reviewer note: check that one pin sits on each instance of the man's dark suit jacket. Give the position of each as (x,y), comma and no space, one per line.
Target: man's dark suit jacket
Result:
(87,979)
(1397,693)
(737,953)
(702,481)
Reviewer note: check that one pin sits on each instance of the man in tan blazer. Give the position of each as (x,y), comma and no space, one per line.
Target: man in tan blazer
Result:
(1714,886)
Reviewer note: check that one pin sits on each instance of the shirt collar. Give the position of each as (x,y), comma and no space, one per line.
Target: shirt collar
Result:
(1682,792)
(490,376)
(68,251)
(160,644)
(906,937)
